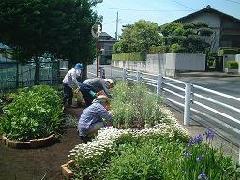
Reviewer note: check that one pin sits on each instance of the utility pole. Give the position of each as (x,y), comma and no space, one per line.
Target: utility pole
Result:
(116,33)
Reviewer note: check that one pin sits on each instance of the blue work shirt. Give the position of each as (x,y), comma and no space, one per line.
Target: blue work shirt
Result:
(93,114)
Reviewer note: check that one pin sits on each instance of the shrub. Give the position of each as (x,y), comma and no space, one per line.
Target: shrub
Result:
(34,113)
(164,158)
(137,56)
(133,106)
(176,48)
(232,64)
(223,51)
(158,49)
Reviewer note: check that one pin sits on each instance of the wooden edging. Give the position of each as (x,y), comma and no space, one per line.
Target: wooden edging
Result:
(35,143)
(66,172)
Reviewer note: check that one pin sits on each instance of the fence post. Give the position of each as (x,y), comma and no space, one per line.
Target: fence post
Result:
(159,84)
(17,74)
(138,76)
(124,74)
(239,157)
(187,104)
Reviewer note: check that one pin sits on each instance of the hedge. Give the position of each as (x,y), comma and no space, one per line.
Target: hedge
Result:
(223,51)
(138,56)
(231,64)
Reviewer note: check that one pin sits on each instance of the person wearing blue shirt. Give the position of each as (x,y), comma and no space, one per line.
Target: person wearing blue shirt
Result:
(92,118)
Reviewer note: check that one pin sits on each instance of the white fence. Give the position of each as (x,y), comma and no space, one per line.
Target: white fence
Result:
(193,99)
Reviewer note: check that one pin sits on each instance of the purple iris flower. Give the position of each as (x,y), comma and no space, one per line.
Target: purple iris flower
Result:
(195,140)
(209,134)
(202,176)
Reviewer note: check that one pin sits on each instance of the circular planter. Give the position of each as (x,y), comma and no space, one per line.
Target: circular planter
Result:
(66,172)
(35,143)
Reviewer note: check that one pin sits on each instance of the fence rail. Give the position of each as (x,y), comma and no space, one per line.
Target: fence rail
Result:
(189,97)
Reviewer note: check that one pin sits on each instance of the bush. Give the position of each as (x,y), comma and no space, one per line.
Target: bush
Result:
(132,106)
(158,49)
(163,158)
(231,64)
(176,48)
(34,113)
(223,51)
(129,57)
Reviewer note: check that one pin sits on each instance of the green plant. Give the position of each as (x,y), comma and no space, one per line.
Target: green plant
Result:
(34,113)
(223,51)
(133,106)
(137,56)
(232,64)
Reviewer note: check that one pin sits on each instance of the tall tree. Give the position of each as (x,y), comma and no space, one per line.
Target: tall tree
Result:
(138,37)
(190,37)
(61,28)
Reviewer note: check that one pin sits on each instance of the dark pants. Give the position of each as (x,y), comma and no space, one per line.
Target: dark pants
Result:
(85,90)
(68,94)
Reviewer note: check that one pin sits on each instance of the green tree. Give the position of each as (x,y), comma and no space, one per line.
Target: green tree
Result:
(188,37)
(61,28)
(138,37)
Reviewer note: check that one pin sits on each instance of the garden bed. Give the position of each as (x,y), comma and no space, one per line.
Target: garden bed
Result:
(35,143)
(151,145)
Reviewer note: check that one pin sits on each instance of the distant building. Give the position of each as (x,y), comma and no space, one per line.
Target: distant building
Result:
(4,55)
(226,28)
(106,43)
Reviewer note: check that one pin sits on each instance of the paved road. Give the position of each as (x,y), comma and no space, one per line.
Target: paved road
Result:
(214,81)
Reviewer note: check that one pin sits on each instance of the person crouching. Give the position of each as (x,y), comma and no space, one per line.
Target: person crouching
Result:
(92,118)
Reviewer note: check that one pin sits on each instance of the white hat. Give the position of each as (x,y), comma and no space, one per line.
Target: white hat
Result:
(109,80)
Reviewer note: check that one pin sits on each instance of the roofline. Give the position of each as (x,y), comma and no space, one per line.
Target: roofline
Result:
(207,9)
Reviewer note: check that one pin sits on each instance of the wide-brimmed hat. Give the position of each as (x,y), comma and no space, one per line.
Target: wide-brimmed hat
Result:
(102,99)
(109,81)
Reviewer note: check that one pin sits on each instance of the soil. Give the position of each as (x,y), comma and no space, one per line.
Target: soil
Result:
(36,164)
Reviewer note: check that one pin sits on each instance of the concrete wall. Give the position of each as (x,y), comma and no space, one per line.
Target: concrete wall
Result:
(166,64)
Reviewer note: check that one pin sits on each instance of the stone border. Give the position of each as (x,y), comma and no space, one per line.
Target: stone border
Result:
(35,143)
(66,172)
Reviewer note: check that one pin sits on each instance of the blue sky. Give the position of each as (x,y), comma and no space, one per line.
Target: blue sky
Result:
(159,11)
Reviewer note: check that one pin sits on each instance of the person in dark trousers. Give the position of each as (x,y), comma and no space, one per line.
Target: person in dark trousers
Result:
(92,117)
(68,82)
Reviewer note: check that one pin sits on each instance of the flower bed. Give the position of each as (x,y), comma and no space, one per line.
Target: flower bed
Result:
(34,113)
(161,150)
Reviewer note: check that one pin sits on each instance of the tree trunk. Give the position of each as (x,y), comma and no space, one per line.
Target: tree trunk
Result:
(84,72)
(37,71)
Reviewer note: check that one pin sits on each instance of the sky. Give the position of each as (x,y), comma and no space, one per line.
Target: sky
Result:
(159,11)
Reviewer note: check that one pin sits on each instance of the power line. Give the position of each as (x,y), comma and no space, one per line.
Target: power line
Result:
(151,10)
(183,5)
(233,1)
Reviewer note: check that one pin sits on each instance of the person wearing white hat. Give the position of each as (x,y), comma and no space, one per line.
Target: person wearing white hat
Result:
(68,82)
(100,85)
(92,117)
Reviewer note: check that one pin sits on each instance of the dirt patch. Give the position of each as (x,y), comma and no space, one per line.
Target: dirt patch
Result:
(32,164)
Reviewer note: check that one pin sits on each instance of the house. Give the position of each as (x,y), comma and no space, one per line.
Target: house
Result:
(226,27)
(106,43)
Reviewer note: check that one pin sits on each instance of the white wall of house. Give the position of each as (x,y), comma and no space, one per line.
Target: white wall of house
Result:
(166,64)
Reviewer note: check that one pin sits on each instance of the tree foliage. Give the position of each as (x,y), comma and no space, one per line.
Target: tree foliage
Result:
(138,37)
(59,27)
(148,37)
(188,37)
